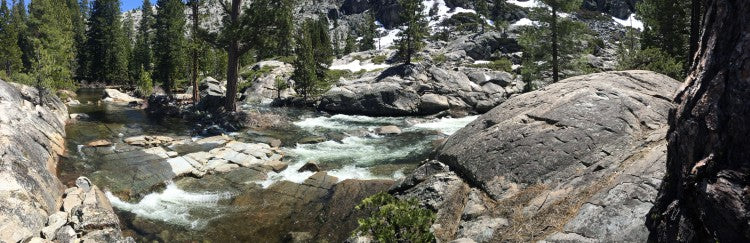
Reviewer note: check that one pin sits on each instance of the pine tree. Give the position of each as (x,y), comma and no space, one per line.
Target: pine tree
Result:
(555,43)
(24,36)
(143,55)
(194,47)
(667,27)
(169,43)
(350,44)
(107,44)
(304,75)
(483,11)
(272,21)
(78,16)
(51,36)
(10,52)
(411,39)
(369,32)
(322,48)
(129,43)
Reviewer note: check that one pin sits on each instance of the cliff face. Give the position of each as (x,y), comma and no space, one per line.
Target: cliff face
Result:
(32,131)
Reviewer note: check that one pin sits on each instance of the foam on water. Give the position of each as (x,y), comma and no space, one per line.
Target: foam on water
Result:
(346,122)
(173,205)
(447,126)
(356,150)
(347,172)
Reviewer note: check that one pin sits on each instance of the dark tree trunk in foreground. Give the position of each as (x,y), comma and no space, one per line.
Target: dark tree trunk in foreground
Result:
(196,24)
(705,195)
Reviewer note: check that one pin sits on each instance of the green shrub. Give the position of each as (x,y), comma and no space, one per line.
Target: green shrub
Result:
(250,74)
(379,59)
(502,64)
(464,21)
(145,84)
(333,76)
(440,58)
(652,59)
(394,220)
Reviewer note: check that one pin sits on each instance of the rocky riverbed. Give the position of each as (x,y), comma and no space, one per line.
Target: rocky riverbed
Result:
(286,177)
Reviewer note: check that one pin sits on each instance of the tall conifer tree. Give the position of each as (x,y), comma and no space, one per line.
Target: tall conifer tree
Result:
(411,40)
(142,52)
(51,35)
(369,32)
(10,52)
(107,45)
(169,43)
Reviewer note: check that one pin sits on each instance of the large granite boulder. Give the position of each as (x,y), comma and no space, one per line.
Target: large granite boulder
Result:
(579,160)
(267,75)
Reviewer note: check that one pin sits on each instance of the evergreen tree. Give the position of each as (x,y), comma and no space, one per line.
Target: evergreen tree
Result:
(272,21)
(51,36)
(78,16)
(369,32)
(667,28)
(411,39)
(483,11)
(142,53)
(194,47)
(555,43)
(169,42)
(133,69)
(304,75)
(10,52)
(107,44)
(322,48)
(24,36)
(350,44)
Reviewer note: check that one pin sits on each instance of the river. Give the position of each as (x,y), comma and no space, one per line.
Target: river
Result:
(229,207)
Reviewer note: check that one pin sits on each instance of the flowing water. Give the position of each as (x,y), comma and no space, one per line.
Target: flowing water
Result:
(235,206)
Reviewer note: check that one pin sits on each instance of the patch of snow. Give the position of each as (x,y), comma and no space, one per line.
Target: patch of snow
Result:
(523,22)
(526,4)
(357,66)
(630,22)
(480,62)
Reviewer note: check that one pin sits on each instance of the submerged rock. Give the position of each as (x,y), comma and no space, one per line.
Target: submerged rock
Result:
(577,160)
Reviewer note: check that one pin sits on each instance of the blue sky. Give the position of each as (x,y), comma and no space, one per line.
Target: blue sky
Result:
(132,4)
(126,4)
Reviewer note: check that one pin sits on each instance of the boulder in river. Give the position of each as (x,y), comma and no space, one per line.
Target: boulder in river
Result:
(113,95)
(579,160)
(388,130)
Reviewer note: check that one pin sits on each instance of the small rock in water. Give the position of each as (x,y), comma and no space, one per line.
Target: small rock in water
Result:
(311,140)
(310,166)
(388,130)
(99,143)
(79,116)
(83,183)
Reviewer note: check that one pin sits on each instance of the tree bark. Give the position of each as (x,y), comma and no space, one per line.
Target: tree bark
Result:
(555,51)
(196,25)
(695,27)
(233,53)
(705,194)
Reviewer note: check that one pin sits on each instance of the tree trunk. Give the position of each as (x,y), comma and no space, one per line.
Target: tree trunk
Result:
(705,194)
(196,24)
(555,64)
(233,53)
(695,27)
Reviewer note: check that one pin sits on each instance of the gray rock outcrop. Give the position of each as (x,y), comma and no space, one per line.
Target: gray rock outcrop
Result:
(418,90)
(32,130)
(579,160)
